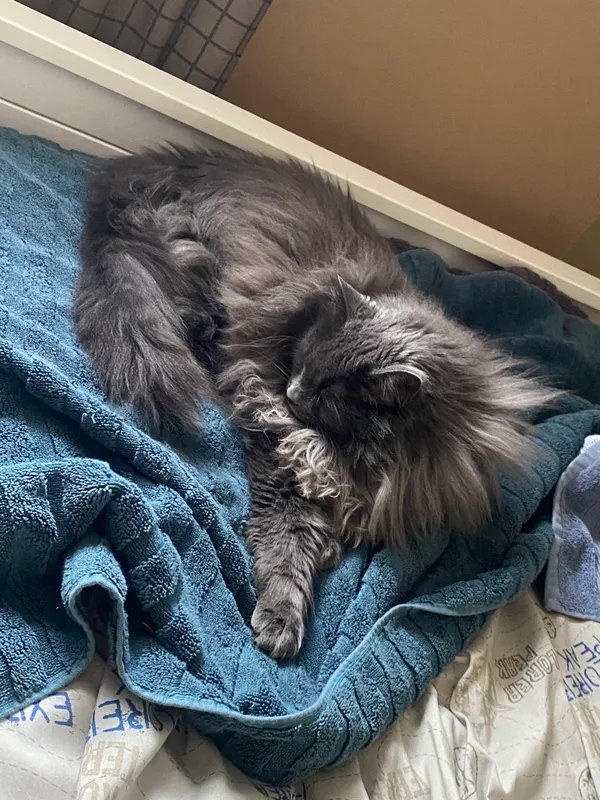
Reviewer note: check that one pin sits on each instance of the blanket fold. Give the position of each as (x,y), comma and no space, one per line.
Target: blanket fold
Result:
(91,505)
(573,575)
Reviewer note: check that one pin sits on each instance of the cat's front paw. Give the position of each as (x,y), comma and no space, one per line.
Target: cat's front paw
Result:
(278,627)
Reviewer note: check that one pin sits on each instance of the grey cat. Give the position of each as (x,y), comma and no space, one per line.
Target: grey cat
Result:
(368,414)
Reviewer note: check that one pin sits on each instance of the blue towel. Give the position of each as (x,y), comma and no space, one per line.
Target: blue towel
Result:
(573,574)
(98,517)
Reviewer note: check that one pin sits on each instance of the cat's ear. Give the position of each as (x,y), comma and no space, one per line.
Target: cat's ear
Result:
(402,382)
(353,299)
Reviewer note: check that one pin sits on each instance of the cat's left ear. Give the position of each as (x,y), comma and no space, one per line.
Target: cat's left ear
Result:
(353,299)
(406,381)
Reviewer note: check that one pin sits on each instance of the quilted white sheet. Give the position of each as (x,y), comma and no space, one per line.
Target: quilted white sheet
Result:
(515,717)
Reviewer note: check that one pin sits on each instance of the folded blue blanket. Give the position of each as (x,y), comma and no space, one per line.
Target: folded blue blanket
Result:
(573,574)
(95,514)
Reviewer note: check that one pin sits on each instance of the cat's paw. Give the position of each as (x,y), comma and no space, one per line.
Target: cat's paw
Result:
(278,627)
(331,555)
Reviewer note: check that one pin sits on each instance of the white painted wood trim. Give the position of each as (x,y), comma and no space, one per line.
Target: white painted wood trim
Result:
(130,78)
(33,124)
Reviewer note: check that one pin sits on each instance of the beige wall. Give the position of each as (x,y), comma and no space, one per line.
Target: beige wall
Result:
(489,106)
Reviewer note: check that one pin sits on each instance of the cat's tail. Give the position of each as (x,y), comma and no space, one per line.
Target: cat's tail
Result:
(133,332)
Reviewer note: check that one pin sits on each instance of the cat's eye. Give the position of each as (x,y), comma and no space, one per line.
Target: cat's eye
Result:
(329,384)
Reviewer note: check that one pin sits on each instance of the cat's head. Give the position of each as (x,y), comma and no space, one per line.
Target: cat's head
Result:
(365,365)
(432,411)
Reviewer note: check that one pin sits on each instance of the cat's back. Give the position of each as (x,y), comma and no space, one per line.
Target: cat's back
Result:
(239,196)
(266,220)
(256,204)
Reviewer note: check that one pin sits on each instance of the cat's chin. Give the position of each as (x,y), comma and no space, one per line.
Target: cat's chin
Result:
(300,414)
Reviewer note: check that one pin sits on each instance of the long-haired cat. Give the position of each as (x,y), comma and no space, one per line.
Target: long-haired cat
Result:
(367,413)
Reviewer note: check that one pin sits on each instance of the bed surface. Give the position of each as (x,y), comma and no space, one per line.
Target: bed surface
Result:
(91,503)
(514,717)
(464,729)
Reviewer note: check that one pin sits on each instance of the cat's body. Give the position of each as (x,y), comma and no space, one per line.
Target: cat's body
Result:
(367,413)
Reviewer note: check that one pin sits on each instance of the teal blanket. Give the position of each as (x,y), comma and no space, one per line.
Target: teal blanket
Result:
(98,518)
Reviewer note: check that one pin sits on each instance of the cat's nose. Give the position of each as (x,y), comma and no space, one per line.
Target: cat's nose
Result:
(293,391)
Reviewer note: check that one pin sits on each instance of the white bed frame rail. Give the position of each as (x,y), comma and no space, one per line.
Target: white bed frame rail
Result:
(59,83)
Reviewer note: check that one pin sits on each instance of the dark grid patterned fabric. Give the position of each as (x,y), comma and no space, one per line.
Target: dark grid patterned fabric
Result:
(198,41)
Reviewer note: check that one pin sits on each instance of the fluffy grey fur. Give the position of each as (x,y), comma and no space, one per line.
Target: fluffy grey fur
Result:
(367,412)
